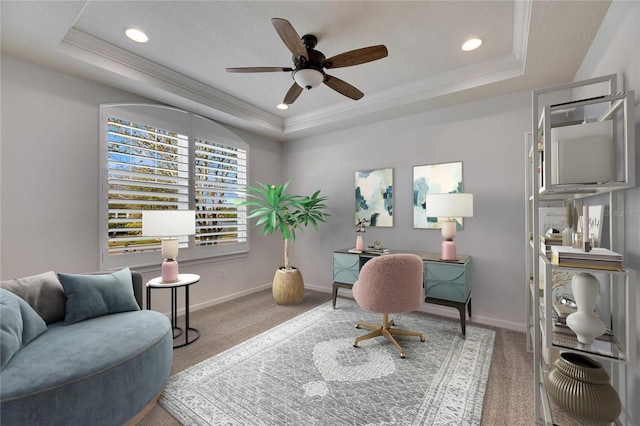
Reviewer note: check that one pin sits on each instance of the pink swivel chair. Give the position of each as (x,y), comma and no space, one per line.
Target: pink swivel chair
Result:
(389,284)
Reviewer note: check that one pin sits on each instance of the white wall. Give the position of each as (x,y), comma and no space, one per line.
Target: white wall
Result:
(50,184)
(616,50)
(487,136)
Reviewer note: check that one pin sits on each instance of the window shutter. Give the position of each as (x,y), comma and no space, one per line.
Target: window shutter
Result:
(156,157)
(220,171)
(148,169)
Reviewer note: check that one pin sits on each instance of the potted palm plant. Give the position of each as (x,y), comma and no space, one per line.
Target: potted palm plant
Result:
(275,210)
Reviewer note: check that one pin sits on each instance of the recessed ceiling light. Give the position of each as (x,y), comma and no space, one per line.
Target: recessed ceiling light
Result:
(282,106)
(136,35)
(471,44)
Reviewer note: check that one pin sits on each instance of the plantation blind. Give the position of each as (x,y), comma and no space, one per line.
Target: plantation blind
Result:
(148,169)
(220,171)
(160,158)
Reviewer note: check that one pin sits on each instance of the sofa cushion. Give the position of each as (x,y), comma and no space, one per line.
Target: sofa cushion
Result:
(90,296)
(20,325)
(43,292)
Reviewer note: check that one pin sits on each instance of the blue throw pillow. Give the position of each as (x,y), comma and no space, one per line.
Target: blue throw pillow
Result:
(90,296)
(20,325)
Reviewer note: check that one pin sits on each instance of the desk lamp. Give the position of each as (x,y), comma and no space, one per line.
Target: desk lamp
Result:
(447,207)
(169,224)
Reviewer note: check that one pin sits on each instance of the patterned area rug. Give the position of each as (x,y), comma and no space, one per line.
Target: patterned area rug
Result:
(307,372)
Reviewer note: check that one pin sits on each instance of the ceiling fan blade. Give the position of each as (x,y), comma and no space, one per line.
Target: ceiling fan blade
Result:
(356,57)
(290,37)
(259,69)
(292,94)
(343,87)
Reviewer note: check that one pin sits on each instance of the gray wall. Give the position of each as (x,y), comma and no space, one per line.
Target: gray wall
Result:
(487,136)
(50,185)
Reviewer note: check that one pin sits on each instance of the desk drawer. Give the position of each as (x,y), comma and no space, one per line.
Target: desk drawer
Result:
(449,272)
(449,281)
(346,268)
(455,292)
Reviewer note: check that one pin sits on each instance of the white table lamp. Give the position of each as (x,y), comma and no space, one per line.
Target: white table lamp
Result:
(447,207)
(169,224)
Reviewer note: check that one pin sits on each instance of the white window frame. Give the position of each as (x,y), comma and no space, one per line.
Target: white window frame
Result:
(194,128)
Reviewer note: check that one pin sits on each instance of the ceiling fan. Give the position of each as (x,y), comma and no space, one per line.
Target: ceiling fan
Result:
(309,64)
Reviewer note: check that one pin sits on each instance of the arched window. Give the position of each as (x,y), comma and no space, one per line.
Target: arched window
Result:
(156,157)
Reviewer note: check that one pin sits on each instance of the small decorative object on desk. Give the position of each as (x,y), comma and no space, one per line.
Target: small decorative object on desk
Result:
(360,227)
(377,248)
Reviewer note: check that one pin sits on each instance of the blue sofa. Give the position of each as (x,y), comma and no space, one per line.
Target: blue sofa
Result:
(77,350)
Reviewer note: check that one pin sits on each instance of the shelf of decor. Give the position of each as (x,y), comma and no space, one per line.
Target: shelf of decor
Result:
(581,146)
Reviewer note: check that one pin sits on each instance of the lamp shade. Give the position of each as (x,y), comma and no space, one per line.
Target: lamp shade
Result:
(308,78)
(168,223)
(449,205)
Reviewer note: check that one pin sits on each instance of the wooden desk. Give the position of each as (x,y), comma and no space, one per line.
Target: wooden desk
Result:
(446,283)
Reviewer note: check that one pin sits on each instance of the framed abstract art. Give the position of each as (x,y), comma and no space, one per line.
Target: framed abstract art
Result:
(374,197)
(444,178)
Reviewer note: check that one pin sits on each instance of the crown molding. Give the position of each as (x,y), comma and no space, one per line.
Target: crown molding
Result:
(125,70)
(145,77)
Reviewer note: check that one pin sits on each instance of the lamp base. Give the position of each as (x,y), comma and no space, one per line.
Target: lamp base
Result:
(448,250)
(169,271)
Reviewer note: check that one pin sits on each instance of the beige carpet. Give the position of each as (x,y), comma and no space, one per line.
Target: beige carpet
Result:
(509,394)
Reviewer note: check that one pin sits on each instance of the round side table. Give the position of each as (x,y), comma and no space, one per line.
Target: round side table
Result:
(184,280)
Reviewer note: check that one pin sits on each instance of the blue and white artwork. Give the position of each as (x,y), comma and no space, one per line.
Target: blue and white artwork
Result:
(445,178)
(374,197)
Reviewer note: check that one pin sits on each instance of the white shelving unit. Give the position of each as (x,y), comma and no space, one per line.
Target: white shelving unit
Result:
(558,156)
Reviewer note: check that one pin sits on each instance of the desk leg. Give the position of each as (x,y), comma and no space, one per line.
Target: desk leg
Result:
(463,320)
(335,294)
(148,298)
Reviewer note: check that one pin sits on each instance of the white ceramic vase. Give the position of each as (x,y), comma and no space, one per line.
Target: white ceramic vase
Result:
(584,322)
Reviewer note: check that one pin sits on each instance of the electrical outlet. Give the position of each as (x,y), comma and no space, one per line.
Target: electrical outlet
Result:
(223,274)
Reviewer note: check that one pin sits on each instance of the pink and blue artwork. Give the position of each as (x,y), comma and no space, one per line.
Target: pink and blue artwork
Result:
(442,178)
(374,197)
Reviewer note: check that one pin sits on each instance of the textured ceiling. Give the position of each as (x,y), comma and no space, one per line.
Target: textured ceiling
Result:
(526,45)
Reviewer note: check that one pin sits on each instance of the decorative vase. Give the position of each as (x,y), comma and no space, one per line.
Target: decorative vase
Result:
(359,243)
(288,286)
(580,386)
(584,322)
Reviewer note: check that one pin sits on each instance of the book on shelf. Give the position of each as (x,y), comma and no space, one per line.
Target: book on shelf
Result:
(597,258)
(376,251)
(547,241)
(552,239)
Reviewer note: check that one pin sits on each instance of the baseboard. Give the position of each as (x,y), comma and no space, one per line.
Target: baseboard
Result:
(426,307)
(442,311)
(223,299)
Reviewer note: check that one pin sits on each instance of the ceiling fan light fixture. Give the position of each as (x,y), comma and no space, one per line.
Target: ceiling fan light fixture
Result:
(308,78)
(471,44)
(282,106)
(136,35)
